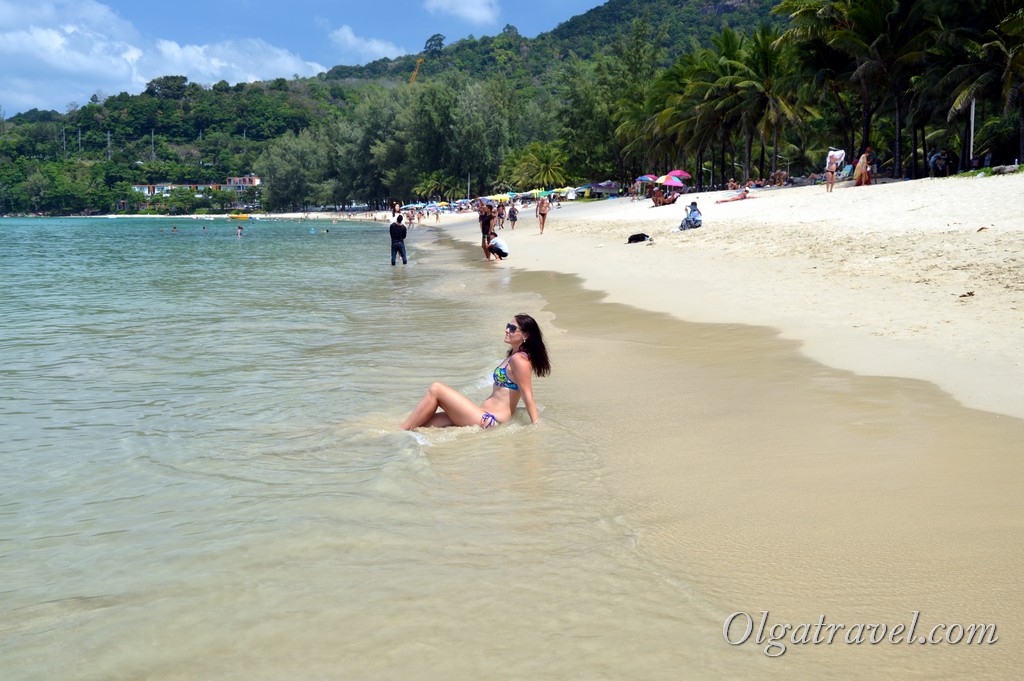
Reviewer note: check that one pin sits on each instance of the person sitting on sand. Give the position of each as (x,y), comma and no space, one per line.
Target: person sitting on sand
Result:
(693,218)
(443,406)
(744,194)
(661,200)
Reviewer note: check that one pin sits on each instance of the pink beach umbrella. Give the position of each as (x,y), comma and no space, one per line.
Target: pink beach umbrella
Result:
(681,174)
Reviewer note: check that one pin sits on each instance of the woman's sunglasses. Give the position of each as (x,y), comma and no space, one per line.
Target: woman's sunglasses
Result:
(512,328)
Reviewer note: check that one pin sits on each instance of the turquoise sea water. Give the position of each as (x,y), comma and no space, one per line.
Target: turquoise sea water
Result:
(203,475)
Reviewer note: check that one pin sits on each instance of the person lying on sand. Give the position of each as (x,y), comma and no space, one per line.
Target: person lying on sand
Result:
(745,194)
(661,200)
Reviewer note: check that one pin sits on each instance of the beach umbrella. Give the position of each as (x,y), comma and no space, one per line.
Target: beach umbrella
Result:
(673,181)
(681,174)
(646,178)
(661,180)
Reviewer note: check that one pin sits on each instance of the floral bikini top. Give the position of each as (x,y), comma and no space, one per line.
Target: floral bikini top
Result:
(501,378)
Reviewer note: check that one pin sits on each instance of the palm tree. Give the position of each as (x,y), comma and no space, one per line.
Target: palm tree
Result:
(995,65)
(884,39)
(541,165)
(762,88)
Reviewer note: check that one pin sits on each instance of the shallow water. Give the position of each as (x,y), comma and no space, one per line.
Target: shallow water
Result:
(204,477)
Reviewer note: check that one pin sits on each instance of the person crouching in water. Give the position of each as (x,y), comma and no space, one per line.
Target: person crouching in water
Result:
(497,247)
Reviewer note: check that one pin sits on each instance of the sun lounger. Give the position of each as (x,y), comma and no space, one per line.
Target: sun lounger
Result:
(845,173)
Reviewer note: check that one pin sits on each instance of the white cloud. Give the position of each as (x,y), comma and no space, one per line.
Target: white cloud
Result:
(235,61)
(482,12)
(57,51)
(361,50)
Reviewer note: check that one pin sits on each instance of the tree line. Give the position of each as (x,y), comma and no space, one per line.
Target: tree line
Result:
(900,76)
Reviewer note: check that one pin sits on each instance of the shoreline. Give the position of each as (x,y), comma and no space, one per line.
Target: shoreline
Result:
(927,286)
(743,387)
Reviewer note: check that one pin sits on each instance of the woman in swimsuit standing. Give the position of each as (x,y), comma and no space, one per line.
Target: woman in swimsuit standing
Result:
(513,378)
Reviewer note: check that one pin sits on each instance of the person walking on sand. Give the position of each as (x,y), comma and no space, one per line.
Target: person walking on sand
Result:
(513,215)
(398,234)
(541,211)
(443,406)
(862,174)
(830,173)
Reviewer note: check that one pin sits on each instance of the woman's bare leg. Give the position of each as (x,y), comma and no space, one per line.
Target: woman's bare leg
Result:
(458,409)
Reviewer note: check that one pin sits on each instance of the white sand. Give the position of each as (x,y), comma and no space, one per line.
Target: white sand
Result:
(918,279)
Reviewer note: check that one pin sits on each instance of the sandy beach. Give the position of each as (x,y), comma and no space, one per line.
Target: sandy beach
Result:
(917,279)
(747,386)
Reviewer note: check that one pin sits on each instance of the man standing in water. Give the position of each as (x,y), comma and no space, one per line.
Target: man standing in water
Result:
(486,217)
(398,234)
(543,206)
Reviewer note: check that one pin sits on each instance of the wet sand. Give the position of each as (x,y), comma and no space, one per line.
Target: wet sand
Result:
(768,481)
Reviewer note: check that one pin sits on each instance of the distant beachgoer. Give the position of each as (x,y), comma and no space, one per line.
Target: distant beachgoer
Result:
(694,218)
(498,247)
(398,234)
(239,232)
(443,406)
(742,194)
(501,215)
(541,211)
(862,173)
(513,215)
(486,216)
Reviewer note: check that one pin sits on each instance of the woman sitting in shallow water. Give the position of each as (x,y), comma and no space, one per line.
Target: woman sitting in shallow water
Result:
(513,378)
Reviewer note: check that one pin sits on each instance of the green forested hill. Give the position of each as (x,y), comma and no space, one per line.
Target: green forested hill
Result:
(508,54)
(733,87)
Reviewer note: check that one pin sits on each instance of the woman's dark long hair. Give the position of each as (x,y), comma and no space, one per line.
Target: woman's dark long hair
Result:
(533,346)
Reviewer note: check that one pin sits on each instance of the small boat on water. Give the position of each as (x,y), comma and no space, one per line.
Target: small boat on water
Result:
(239,216)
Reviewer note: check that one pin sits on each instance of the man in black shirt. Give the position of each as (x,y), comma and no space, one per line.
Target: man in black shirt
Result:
(398,234)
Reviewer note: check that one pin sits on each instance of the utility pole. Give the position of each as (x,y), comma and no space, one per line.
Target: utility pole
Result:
(152,146)
(79,143)
(64,143)
(108,145)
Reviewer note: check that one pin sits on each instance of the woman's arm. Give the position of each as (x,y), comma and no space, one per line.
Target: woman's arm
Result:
(523,376)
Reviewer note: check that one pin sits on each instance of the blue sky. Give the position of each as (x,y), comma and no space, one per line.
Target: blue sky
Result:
(55,52)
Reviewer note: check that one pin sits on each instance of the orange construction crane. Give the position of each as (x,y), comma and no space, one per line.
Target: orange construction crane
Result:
(416,71)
